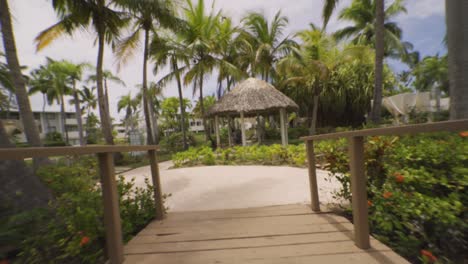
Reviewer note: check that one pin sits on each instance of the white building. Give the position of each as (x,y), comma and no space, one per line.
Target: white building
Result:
(196,125)
(48,121)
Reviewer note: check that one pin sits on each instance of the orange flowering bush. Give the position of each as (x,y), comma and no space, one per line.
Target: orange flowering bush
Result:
(417,189)
(71,229)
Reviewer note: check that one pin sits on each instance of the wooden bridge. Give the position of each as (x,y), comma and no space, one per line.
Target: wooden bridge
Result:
(277,234)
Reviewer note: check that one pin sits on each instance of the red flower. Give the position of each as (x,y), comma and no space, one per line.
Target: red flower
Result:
(387,195)
(464,134)
(84,241)
(428,255)
(369,203)
(398,177)
(4,261)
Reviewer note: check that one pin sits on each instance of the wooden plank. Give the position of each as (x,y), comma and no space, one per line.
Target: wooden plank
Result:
(451,126)
(315,203)
(284,139)
(237,243)
(359,192)
(242,255)
(177,235)
(249,222)
(242,124)
(22,153)
(157,190)
(112,225)
(218,137)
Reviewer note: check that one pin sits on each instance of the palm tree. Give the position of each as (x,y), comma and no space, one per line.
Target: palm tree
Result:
(166,51)
(199,36)
(145,14)
(105,22)
(7,86)
(107,76)
(75,74)
(457,41)
(267,43)
(53,80)
(89,102)
(376,112)
(130,105)
(30,128)
(309,68)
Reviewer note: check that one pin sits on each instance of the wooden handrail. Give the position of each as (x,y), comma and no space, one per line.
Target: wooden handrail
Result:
(112,222)
(34,152)
(357,170)
(455,125)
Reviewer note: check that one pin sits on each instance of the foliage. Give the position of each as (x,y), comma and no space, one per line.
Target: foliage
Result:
(416,189)
(70,229)
(54,139)
(93,133)
(174,142)
(265,155)
(170,114)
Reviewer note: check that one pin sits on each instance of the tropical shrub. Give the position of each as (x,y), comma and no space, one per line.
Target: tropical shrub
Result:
(70,229)
(54,139)
(417,189)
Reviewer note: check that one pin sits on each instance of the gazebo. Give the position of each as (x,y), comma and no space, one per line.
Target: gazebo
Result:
(253,97)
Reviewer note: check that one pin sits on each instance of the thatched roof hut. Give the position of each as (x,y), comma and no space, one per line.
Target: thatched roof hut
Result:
(252,97)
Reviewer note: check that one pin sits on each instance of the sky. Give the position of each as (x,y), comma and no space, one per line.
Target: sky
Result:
(423,25)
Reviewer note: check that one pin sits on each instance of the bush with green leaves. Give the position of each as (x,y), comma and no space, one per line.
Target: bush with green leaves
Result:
(417,190)
(70,229)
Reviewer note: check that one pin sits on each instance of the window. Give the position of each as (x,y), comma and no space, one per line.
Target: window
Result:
(71,128)
(50,116)
(37,116)
(70,115)
(198,123)
(51,129)
(192,123)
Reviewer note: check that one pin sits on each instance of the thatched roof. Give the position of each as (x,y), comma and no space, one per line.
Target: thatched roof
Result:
(252,96)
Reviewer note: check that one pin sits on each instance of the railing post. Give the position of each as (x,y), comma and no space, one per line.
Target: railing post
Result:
(112,225)
(359,192)
(156,184)
(315,204)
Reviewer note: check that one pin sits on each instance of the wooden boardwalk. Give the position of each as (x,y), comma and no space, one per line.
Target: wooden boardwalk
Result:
(275,234)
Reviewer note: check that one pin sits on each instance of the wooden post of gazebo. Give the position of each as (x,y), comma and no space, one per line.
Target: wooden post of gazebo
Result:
(218,138)
(244,141)
(283,127)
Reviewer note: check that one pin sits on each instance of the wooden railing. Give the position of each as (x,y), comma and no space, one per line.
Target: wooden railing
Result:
(357,169)
(112,224)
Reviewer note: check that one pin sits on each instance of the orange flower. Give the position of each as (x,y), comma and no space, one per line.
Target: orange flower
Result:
(428,255)
(369,203)
(399,177)
(84,241)
(387,195)
(464,134)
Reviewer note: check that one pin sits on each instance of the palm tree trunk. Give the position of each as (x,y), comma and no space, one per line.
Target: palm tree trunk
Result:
(181,105)
(149,133)
(64,119)
(44,101)
(30,128)
(457,38)
(103,109)
(79,120)
(313,124)
(379,56)
(205,126)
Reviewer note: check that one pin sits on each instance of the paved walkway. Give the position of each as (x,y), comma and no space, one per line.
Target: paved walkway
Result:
(229,187)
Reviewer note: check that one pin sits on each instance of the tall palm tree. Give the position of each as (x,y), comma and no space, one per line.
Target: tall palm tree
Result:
(105,22)
(30,128)
(130,105)
(376,112)
(147,17)
(107,77)
(75,74)
(199,36)
(267,41)
(457,41)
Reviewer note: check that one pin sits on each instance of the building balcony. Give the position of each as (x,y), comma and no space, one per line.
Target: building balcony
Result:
(71,121)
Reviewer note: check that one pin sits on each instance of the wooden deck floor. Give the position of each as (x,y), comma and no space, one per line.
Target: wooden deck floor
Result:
(275,234)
